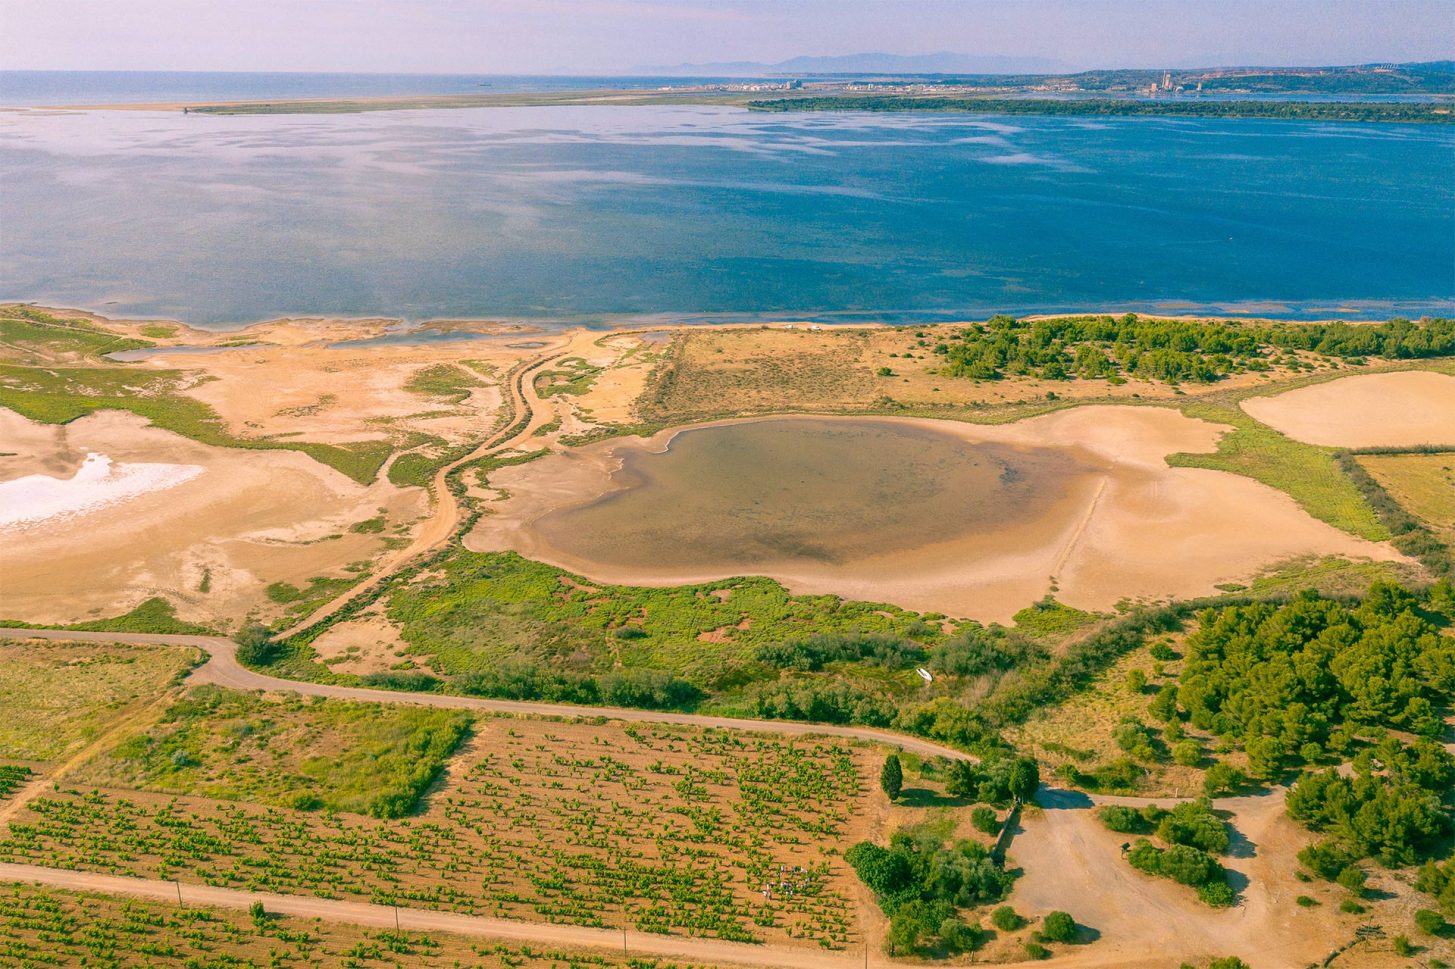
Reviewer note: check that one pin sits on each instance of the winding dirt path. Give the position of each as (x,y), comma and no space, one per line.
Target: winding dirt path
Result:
(526,409)
(223,669)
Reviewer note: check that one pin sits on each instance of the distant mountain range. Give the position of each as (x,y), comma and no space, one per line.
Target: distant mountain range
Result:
(944,62)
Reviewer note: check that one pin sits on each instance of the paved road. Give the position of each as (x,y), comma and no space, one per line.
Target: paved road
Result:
(223,669)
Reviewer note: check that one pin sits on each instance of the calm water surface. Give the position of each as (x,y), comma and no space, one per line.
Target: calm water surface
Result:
(595,214)
(745,496)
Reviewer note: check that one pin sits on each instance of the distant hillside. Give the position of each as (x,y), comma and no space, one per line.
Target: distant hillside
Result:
(1427,78)
(944,62)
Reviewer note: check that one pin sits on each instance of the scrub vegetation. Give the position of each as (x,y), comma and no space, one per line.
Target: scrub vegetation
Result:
(32,336)
(285,751)
(103,682)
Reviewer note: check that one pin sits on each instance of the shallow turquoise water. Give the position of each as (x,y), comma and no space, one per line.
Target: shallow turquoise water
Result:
(687,213)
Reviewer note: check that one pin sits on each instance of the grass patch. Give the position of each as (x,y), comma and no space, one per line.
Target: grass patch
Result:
(365,758)
(155,615)
(444,381)
(39,335)
(478,610)
(1305,472)
(62,395)
(158,331)
(58,697)
(572,376)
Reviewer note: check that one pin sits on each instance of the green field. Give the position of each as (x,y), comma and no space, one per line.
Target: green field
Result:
(50,927)
(57,697)
(37,336)
(668,830)
(313,754)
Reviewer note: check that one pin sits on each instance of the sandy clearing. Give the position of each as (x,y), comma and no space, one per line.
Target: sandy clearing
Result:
(1138,530)
(334,395)
(1400,409)
(251,518)
(1072,862)
(368,643)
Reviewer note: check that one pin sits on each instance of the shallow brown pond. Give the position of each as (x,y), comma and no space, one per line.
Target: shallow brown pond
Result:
(806,490)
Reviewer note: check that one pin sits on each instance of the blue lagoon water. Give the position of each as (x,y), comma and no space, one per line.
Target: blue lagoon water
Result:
(598,214)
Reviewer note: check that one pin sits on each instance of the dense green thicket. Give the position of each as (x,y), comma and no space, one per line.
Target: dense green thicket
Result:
(1408,112)
(1439,880)
(995,779)
(1315,682)
(921,883)
(1297,683)
(1193,834)
(1395,807)
(1187,866)
(1191,823)
(1087,347)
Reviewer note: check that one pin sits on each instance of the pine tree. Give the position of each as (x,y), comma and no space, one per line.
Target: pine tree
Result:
(891,778)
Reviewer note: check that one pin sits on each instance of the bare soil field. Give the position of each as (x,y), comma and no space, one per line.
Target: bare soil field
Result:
(1139,530)
(1399,409)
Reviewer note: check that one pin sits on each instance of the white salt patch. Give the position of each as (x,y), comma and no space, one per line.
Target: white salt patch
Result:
(38,499)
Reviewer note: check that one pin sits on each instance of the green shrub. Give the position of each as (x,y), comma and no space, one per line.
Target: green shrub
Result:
(1430,922)
(1059,927)
(1006,919)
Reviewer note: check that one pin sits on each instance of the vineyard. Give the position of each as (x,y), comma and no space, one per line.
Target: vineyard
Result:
(662,829)
(12,776)
(42,927)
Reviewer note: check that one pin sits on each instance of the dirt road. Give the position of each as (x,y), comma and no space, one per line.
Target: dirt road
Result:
(712,951)
(526,415)
(223,669)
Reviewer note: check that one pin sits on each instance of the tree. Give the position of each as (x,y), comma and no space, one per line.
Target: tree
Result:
(891,777)
(1059,927)
(255,646)
(1025,779)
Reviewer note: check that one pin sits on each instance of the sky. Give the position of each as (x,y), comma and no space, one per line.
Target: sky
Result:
(604,36)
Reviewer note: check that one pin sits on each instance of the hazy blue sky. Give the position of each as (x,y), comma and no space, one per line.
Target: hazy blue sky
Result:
(584,36)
